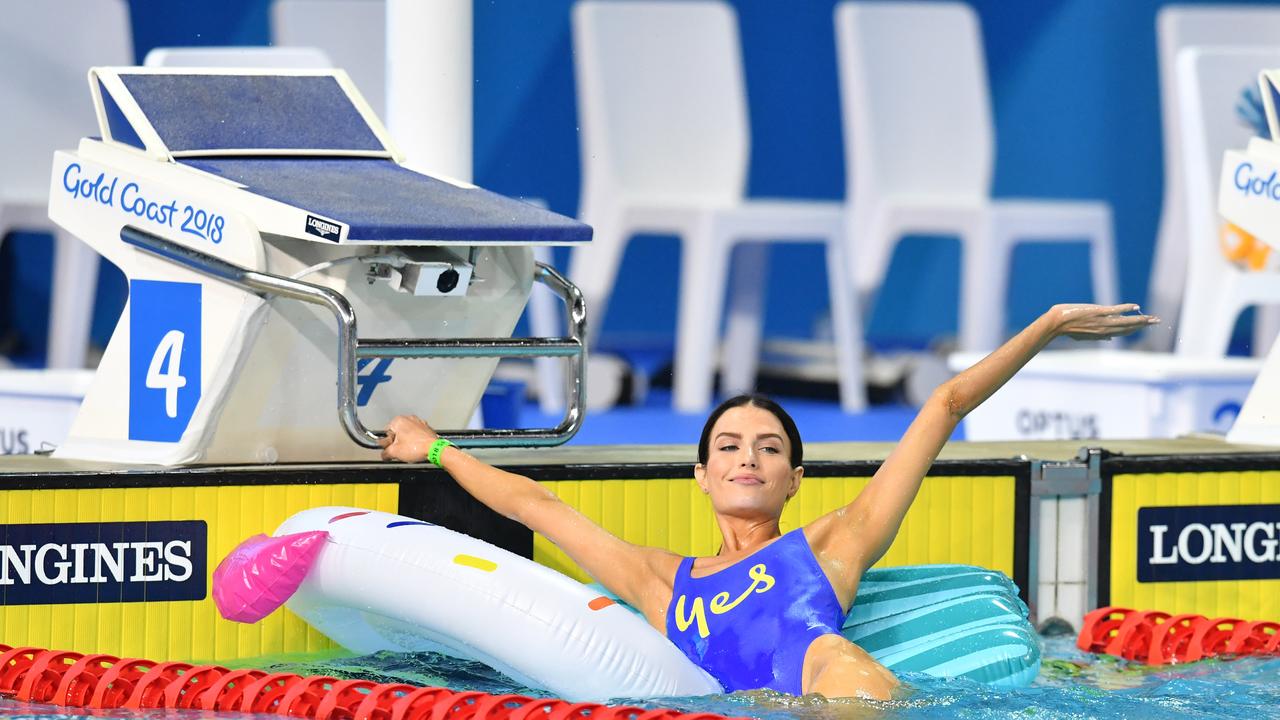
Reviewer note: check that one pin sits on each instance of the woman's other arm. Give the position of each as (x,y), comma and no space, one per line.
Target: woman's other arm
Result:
(864,530)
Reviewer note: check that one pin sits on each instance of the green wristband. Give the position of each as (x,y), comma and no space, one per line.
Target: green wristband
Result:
(437,447)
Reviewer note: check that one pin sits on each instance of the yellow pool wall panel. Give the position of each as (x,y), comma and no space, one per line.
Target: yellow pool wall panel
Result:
(176,630)
(964,519)
(1244,599)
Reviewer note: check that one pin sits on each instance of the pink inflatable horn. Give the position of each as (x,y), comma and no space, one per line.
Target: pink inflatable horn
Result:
(262,573)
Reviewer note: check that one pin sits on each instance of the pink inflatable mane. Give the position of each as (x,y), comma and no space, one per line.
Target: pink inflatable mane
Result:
(262,573)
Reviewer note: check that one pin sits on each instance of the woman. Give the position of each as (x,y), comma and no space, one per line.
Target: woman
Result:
(767,610)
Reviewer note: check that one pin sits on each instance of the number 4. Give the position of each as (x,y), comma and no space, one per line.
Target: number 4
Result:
(169,380)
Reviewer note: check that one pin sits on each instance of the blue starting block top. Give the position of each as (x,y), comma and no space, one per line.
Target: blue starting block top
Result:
(382,201)
(307,140)
(252,113)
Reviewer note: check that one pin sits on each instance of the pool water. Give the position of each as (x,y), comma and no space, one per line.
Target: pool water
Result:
(1071,684)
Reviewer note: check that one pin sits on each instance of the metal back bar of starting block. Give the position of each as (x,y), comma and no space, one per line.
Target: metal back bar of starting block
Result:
(351,348)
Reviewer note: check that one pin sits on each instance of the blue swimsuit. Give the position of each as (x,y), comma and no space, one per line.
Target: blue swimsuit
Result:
(750,624)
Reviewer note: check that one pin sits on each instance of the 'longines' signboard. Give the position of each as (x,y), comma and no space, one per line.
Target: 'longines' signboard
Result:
(1208,542)
(98,562)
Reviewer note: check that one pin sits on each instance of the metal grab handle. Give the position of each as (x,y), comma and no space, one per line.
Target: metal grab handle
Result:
(573,347)
(351,347)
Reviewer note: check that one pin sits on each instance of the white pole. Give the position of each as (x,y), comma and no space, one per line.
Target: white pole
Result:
(429,84)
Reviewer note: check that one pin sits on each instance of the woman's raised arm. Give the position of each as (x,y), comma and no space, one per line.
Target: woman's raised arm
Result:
(635,573)
(863,531)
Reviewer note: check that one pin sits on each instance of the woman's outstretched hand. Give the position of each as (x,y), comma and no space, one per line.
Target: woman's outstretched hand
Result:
(1099,322)
(408,439)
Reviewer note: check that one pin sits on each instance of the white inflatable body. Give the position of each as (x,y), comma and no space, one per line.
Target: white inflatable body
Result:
(383,582)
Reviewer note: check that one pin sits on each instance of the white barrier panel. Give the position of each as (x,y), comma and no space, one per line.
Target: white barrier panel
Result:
(1111,394)
(37,407)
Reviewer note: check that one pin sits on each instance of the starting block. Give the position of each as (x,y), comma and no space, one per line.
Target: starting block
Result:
(256,216)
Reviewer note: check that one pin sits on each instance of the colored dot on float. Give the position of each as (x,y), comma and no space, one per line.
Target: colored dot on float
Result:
(600,602)
(344,516)
(475,562)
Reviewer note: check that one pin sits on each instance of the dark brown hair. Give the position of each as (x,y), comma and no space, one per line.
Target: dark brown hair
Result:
(764,403)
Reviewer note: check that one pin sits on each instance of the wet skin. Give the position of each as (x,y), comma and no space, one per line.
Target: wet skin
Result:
(748,479)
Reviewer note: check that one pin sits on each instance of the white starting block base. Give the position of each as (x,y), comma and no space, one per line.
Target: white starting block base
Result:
(257,214)
(1112,394)
(37,407)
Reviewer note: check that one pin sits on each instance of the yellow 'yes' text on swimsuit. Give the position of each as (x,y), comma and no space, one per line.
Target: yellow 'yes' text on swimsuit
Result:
(761,581)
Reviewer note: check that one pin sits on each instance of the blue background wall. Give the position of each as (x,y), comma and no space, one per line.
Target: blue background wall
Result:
(1077,114)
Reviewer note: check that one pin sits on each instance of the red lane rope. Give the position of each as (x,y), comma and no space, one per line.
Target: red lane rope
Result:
(1251,638)
(117,683)
(418,702)
(343,698)
(304,698)
(1158,638)
(40,683)
(69,679)
(195,682)
(264,694)
(1170,641)
(378,703)
(150,689)
(227,692)
(14,663)
(78,683)
(457,706)
(499,707)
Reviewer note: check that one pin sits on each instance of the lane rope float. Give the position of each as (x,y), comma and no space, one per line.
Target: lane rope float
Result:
(101,682)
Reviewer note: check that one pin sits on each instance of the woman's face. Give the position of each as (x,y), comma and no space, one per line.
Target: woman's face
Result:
(748,472)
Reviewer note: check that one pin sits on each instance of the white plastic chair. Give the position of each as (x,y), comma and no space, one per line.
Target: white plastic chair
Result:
(1178,27)
(353,33)
(919,151)
(665,141)
(251,56)
(1209,81)
(45,49)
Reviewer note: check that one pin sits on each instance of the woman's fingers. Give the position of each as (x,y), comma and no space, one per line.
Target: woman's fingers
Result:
(406,424)
(1117,326)
(1107,331)
(1127,329)
(1111,310)
(1102,322)
(1135,321)
(1105,322)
